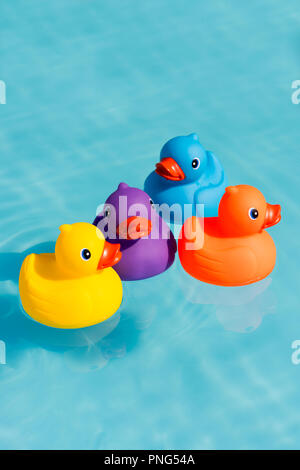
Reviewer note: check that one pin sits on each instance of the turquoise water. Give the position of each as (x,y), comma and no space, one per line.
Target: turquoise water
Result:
(94,88)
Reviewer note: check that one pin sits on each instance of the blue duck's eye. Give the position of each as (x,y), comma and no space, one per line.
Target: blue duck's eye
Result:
(196,163)
(85,254)
(151,202)
(253,213)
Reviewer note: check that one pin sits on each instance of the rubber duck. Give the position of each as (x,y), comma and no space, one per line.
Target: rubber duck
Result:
(76,286)
(147,244)
(187,174)
(232,249)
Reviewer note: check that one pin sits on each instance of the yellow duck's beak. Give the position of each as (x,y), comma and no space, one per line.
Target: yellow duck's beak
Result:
(111,255)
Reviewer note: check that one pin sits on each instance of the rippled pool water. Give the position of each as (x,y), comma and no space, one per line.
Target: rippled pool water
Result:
(93,90)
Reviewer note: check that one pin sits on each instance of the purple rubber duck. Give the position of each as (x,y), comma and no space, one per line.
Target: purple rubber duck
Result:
(147,244)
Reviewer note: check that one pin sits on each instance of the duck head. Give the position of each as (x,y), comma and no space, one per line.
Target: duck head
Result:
(82,250)
(128,215)
(182,159)
(244,211)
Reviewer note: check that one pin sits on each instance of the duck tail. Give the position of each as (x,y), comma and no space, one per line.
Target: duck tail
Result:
(27,267)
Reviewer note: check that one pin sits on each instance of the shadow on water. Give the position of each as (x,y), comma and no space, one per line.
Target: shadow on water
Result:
(238,309)
(83,349)
(10,263)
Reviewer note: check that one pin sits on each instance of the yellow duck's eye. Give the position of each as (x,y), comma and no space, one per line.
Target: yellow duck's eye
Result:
(85,254)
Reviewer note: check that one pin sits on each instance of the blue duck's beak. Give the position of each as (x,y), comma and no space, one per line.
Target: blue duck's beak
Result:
(273,215)
(111,255)
(168,168)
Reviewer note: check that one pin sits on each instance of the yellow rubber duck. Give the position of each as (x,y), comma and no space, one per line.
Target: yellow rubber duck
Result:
(76,286)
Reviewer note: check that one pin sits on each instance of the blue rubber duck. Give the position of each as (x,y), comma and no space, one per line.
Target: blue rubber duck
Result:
(187,174)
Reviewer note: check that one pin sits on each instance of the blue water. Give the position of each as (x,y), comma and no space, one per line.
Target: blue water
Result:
(94,88)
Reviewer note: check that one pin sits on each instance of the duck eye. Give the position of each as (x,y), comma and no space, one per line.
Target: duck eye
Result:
(85,254)
(253,213)
(151,202)
(107,212)
(196,163)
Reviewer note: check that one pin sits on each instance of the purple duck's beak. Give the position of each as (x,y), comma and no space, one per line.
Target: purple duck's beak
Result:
(134,228)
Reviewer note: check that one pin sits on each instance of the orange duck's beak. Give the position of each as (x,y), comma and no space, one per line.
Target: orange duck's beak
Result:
(273,215)
(111,255)
(168,168)
(134,227)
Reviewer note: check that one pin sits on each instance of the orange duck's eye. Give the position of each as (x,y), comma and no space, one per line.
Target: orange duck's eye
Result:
(253,213)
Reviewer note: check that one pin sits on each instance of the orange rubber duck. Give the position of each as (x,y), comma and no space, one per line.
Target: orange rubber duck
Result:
(232,249)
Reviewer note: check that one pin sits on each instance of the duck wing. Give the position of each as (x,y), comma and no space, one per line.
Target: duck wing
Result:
(215,172)
(52,302)
(231,266)
(210,188)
